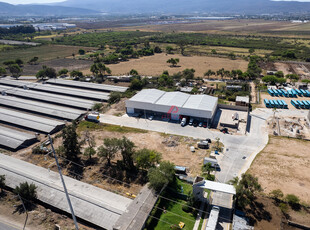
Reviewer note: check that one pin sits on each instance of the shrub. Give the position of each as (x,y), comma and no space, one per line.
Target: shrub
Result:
(293,201)
(283,207)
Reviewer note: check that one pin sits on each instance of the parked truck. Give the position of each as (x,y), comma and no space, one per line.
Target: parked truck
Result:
(213,218)
(94,117)
(212,161)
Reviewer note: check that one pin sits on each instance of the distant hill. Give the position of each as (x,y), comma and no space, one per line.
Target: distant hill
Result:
(190,6)
(41,10)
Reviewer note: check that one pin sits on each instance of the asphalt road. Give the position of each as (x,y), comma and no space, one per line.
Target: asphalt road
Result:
(6,226)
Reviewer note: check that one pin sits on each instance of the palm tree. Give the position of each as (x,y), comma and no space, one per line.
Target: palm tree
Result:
(209,73)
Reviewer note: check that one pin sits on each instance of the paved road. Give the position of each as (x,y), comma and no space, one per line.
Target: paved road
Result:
(90,203)
(5,226)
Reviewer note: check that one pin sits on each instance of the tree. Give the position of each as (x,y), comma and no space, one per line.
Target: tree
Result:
(161,176)
(100,69)
(182,45)
(221,72)
(27,192)
(46,72)
(271,79)
(292,76)
(15,70)
(188,74)
(279,74)
(89,151)
(173,61)
(213,51)
(19,62)
(2,71)
(169,49)
(232,55)
(165,80)
(246,189)
(293,201)
(76,74)
(33,61)
(63,72)
(109,149)
(81,52)
(134,72)
(209,73)
(91,142)
(97,107)
(146,158)
(10,62)
(2,183)
(157,49)
(251,50)
(136,84)
(71,143)
(276,194)
(115,97)
(127,150)
(207,168)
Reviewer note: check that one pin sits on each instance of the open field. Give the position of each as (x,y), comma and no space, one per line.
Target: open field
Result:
(284,164)
(44,53)
(155,65)
(230,26)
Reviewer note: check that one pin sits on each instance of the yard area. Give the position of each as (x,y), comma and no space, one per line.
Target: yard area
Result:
(284,164)
(156,64)
(173,213)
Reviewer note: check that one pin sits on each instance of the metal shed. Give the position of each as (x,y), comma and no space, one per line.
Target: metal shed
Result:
(98,96)
(40,108)
(12,139)
(48,97)
(87,85)
(30,122)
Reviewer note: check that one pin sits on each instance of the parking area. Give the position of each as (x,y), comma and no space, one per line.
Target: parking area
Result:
(286,99)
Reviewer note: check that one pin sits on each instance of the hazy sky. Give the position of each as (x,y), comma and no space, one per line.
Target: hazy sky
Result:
(49,1)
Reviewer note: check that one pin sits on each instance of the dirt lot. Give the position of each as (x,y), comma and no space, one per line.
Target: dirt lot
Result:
(155,65)
(284,164)
(39,218)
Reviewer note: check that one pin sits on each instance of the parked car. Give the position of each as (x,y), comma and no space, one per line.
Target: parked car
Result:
(224,130)
(205,125)
(151,118)
(183,122)
(208,140)
(191,121)
(195,123)
(200,124)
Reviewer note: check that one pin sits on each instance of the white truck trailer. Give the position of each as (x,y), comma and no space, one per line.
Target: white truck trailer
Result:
(213,218)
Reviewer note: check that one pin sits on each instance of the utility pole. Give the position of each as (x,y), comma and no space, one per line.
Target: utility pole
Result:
(64,185)
(24,210)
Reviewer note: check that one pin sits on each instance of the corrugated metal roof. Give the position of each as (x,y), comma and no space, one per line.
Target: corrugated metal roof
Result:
(80,93)
(48,97)
(173,98)
(245,99)
(201,102)
(148,96)
(29,121)
(220,187)
(14,139)
(87,85)
(42,108)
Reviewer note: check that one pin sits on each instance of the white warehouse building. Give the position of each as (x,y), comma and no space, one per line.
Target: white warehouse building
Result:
(172,105)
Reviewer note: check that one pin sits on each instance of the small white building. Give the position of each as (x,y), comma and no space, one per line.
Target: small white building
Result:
(173,105)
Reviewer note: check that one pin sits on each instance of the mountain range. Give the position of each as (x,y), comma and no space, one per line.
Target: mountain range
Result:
(41,10)
(190,6)
(90,7)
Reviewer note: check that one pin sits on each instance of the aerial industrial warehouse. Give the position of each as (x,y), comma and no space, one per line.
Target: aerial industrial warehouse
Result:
(177,104)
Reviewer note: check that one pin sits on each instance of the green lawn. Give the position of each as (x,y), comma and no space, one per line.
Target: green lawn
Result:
(87,125)
(174,214)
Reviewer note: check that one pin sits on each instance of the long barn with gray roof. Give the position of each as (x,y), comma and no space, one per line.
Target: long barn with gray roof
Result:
(30,122)
(14,140)
(48,97)
(87,85)
(79,93)
(41,108)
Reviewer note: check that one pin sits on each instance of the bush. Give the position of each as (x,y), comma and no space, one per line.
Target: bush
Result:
(283,207)
(97,107)
(38,150)
(115,97)
(293,201)
(187,209)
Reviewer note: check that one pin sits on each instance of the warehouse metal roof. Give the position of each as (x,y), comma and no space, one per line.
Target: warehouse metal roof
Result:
(48,97)
(148,96)
(201,102)
(173,98)
(88,85)
(41,108)
(13,139)
(29,121)
(57,89)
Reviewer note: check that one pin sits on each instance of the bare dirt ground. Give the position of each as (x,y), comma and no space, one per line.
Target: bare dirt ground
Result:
(156,64)
(284,164)
(285,68)
(40,218)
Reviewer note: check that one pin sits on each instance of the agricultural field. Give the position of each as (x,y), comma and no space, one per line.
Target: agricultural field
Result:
(284,168)
(44,53)
(156,64)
